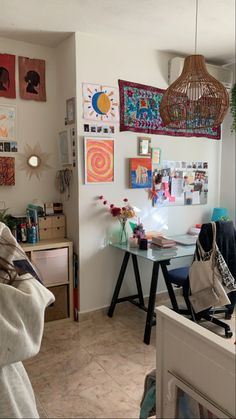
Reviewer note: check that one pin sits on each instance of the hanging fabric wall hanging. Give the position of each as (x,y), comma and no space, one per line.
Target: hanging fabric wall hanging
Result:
(140,112)
(196,100)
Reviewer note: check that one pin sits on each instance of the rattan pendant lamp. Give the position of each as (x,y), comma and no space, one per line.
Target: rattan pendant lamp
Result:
(196,100)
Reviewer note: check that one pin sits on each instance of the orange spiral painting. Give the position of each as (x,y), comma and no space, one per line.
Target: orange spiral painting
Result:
(100,160)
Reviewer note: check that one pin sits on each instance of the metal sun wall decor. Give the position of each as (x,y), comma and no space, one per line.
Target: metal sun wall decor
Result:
(33,161)
(32,79)
(7,76)
(100,103)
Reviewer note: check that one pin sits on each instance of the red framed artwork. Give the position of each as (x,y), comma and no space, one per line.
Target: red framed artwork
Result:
(7,171)
(7,76)
(32,79)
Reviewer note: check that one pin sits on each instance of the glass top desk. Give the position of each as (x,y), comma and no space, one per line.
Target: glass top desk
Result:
(159,257)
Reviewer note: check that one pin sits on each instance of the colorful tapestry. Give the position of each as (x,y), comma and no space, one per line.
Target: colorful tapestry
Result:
(7,76)
(32,79)
(100,102)
(7,171)
(139,112)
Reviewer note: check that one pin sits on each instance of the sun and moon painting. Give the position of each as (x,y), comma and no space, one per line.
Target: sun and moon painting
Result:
(100,103)
(99,160)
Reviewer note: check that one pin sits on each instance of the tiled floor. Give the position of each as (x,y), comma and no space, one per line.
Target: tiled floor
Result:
(95,368)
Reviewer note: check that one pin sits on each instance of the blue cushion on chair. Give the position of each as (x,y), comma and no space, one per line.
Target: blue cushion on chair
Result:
(178,276)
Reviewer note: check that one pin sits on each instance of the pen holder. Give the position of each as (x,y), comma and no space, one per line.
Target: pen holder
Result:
(143,244)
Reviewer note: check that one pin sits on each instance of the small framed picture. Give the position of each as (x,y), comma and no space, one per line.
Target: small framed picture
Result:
(70,111)
(156,155)
(65,148)
(98,160)
(144,146)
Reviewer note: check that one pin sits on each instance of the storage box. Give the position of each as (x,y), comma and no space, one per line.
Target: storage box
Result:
(52,227)
(52,265)
(60,308)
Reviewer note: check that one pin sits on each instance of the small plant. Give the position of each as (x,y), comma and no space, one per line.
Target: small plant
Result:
(233,107)
(7,219)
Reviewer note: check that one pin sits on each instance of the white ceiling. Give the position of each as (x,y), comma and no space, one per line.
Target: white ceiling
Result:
(166,25)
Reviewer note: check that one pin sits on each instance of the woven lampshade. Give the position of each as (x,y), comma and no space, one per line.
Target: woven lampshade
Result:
(196,100)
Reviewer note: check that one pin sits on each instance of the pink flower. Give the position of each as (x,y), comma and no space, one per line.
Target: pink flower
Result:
(112,206)
(115,211)
(125,200)
(104,202)
(101,197)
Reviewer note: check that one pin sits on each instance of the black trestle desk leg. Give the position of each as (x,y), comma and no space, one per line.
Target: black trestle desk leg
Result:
(151,303)
(138,281)
(118,284)
(169,288)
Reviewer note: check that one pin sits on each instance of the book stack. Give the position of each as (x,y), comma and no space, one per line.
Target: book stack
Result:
(163,241)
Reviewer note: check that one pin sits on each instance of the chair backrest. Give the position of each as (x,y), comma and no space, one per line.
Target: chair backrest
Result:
(225,239)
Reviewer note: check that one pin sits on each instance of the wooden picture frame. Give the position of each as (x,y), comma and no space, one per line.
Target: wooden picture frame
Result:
(65,148)
(99,153)
(70,111)
(144,146)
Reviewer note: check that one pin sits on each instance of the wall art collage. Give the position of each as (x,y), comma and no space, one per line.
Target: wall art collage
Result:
(31,87)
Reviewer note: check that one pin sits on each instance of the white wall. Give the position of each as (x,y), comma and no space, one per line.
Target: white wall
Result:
(36,122)
(66,88)
(227,186)
(105,60)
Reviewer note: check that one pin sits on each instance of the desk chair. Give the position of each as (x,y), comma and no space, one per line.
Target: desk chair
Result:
(226,241)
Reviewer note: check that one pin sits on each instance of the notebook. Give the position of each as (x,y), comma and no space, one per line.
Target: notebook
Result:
(185,239)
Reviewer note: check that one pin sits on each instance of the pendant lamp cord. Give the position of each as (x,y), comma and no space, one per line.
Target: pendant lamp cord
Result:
(196,22)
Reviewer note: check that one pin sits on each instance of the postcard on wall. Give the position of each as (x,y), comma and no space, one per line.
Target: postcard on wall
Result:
(140,173)
(100,103)
(98,160)
(7,122)
(156,156)
(32,79)
(7,76)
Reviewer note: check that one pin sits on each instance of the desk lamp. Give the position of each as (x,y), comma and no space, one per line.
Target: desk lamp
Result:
(219,213)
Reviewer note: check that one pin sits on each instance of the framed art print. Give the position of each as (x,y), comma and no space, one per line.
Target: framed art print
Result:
(7,76)
(156,155)
(32,79)
(65,148)
(144,146)
(140,173)
(70,111)
(98,160)
(7,123)
(100,103)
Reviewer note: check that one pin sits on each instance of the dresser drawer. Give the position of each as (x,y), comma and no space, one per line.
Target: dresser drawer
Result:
(45,233)
(57,232)
(45,222)
(58,221)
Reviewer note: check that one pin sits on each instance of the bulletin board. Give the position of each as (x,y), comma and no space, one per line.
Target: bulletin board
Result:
(180,183)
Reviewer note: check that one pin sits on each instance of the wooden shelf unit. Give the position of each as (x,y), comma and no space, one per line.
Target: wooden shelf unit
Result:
(53,244)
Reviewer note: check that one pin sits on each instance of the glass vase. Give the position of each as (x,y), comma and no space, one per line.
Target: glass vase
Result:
(123,235)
